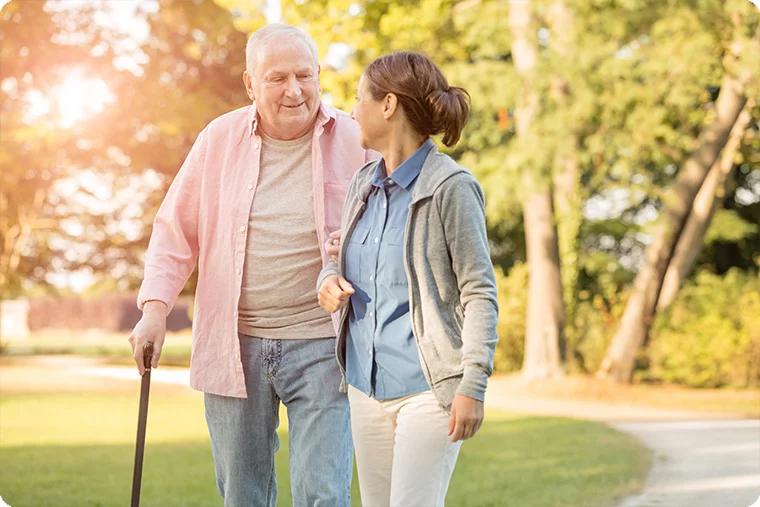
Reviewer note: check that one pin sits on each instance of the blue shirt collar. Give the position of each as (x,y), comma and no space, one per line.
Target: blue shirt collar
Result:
(408,171)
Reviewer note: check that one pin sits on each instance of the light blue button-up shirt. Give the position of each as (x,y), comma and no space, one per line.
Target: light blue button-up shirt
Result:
(381,352)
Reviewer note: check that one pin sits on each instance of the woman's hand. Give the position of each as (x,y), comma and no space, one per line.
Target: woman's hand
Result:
(334,292)
(466,417)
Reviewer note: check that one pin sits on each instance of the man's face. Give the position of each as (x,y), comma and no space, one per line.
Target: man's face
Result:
(285,86)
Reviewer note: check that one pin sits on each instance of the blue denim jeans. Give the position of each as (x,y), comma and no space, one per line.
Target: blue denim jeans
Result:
(304,375)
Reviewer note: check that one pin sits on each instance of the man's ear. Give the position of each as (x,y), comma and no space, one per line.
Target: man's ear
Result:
(390,105)
(248,85)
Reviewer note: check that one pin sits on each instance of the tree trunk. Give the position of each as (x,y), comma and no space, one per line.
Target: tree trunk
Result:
(566,174)
(706,203)
(619,361)
(545,316)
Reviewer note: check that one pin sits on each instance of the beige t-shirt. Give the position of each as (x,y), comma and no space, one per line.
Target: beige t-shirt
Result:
(282,256)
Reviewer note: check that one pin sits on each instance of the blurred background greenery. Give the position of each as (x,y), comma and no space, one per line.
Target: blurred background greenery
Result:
(617,142)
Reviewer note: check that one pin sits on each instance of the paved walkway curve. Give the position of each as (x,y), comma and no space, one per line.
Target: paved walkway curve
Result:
(699,463)
(699,459)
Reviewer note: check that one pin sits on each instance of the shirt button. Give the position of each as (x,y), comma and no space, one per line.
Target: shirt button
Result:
(371,314)
(250,187)
(242,229)
(238,271)
(237,357)
(371,278)
(385,205)
(376,240)
(255,145)
(369,351)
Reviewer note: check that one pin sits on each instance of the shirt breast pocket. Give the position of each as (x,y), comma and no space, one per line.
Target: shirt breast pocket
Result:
(392,271)
(354,253)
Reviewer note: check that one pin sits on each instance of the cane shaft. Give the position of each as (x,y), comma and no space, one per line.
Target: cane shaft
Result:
(142,421)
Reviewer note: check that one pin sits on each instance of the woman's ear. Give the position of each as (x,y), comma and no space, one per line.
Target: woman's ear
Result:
(390,105)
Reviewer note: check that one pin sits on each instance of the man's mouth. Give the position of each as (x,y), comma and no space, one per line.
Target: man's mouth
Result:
(293,107)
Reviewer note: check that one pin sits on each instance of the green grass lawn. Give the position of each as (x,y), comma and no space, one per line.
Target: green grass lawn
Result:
(65,449)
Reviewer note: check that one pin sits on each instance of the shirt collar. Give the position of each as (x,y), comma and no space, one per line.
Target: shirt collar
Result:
(408,171)
(325,118)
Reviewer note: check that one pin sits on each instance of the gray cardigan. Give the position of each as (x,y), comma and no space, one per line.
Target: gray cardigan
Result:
(452,288)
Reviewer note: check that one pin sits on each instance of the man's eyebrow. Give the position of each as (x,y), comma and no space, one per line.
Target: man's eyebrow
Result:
(279,73)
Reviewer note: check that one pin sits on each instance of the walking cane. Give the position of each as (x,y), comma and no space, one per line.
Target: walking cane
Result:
(142,420)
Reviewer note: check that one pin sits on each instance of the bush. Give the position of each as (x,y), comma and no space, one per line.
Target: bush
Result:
(710,336)
(513,300)
(595,321)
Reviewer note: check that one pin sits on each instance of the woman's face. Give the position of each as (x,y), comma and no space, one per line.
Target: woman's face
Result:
(368,113)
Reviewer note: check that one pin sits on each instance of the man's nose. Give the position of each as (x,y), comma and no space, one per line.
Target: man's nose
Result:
(294,88)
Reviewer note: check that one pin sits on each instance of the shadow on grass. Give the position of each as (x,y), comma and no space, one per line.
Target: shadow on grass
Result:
(526,462)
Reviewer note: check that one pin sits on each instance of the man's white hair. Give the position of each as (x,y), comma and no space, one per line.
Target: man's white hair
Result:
(263,36)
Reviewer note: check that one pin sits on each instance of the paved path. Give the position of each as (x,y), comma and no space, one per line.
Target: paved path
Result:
(699,463)
(700,459)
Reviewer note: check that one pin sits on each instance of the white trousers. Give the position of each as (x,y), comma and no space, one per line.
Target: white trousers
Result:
(404,457)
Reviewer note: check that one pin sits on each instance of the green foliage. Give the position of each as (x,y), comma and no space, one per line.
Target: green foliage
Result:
(710,337)
(513,300)
(189,71)
(36,151)
(729,227)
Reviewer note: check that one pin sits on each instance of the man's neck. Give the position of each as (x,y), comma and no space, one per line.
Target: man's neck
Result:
(286,135)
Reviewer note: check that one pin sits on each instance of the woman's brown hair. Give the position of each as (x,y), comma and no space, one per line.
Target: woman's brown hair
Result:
(429,103)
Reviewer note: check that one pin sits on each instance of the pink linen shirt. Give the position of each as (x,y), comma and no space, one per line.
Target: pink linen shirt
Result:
(205,214)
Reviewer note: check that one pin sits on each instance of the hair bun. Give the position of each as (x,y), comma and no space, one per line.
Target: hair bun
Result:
(430,105)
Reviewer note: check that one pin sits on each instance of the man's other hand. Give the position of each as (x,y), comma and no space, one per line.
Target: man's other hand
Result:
(332,245)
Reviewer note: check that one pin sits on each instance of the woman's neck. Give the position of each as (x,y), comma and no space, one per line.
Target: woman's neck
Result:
(399,148)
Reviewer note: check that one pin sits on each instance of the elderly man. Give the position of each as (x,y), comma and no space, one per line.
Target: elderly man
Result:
(254,203)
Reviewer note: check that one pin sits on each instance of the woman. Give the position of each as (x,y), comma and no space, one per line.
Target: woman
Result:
(415,287)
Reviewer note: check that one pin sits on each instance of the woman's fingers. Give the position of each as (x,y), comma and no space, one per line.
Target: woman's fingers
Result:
(334,291)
